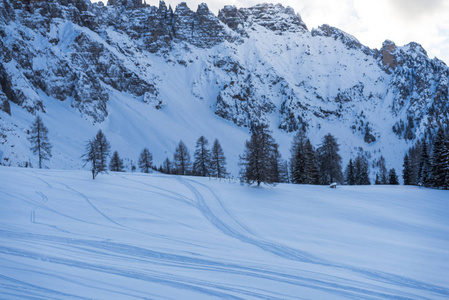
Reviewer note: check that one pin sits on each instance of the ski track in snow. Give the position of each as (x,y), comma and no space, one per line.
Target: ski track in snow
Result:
(31,290)
(223,207)
(277,250)
(214,209)
(145,256)
(95,208)
(42,206)
(91,204)
(297,255)
(33,211)
(208,288)
(33,214)
(164,192)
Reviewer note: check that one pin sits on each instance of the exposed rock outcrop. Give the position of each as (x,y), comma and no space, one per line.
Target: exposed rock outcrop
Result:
(257,64)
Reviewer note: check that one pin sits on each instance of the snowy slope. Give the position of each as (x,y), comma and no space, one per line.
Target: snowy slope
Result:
(149,76)
(130,236)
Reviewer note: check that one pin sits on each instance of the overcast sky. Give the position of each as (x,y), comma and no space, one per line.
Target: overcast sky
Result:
(370,21)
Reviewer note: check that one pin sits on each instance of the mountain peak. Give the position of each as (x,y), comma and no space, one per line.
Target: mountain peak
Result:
(387,55)
(348,40)
(416,48)
(275,17)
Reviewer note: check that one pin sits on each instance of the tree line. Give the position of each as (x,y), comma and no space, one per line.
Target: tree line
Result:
(261,161)
(427,162)
(207,162)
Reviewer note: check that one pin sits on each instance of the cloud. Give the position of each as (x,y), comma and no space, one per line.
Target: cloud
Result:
(402,21)
(416,9)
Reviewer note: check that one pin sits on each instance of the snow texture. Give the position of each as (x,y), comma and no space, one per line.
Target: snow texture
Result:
(135,236)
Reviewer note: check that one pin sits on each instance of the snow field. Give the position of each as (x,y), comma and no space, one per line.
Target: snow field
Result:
(131,236)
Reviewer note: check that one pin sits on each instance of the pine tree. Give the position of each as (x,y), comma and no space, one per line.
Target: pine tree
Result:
(275,167)
(182,159)
(97,152)
(329,161)
(278,166)
(392,177)
(311,167)
(424,170)
(38,138)
(349,174)
(414,157)
(202,158)
(145,161)
(377,181)
(303,164)
(407,170)
(298,159)
(103,148)
(440,160)
(91,155)
(361,170)
(257,161)
(218,161)
(298,171)
(167,166)
(116,164)
(382,170)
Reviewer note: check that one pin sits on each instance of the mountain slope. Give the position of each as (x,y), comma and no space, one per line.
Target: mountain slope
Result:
(142,73)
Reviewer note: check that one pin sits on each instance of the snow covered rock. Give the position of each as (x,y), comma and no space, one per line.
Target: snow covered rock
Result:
(276,18)
(88,54)
(350,41)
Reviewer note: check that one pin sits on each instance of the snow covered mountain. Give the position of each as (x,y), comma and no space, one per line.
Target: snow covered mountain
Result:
(150,76)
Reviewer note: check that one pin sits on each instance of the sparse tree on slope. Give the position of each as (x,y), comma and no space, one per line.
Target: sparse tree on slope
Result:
(383,176)
(97,152)
(414,157)
(167,166)
(116,164)
(377,181)
(182,159)
(218,161)
(257,160)
(91,155)
(392,177)
(361,170)
(349,174)
(407,171)
(425,169)
(311,167)
(279,166)
(202,158)
(329,161)
(440,160)
(38,138)
(298,159)
(103,151)
(145,161)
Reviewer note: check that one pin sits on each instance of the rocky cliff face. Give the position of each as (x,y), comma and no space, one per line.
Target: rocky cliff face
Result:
(276,18)
(257,64)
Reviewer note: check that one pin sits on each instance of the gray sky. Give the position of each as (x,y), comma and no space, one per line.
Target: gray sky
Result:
(371,22)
